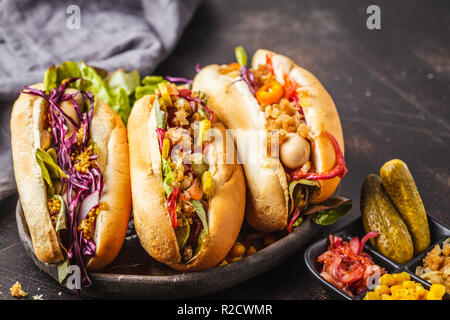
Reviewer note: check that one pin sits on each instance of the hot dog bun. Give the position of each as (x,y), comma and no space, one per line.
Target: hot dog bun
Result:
(236,106)
(151,218)
(108,131)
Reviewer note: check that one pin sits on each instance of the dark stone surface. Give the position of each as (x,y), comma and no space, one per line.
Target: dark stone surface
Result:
(391,87)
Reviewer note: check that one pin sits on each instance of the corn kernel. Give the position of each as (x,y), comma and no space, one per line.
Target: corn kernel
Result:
(408,284)
(223,263)
(251,250)
(422,292)
(387,297)
(398,291)
(400,277)
(438,290)
(238,250)
(387,279)
(382,289)
(407,297)
(431,296)
(236,259)
(372,296)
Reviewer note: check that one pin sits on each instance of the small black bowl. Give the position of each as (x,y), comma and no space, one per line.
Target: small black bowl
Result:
(438,233)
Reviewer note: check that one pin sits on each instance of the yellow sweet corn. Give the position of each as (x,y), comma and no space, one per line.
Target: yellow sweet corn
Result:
(438,290)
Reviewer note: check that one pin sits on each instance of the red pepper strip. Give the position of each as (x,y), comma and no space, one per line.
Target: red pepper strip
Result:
(269,61)
(294,217)
(289,86)
(184,92)
(160,132)
(340,169)
(172,206)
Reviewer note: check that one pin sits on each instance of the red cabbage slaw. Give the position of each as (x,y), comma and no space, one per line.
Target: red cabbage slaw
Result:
(80,186)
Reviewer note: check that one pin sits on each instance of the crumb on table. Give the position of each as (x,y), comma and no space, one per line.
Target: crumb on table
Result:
(16,290)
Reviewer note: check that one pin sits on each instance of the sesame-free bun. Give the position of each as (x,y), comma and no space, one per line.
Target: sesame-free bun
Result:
(151,218)
(108,131)
(235,105)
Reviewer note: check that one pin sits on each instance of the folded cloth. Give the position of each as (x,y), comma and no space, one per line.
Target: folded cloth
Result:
(106,34)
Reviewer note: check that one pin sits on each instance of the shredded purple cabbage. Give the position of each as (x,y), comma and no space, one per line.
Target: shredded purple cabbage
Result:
(79,184)
(249,78)
(178,80)
(198,67)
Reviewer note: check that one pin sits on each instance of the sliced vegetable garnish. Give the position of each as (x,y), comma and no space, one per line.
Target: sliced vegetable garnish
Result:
(63,270)
(61,223)
(165,148)
(182,232)
(241,55)
(160,115)
(270,93)
(152,80)
(294,219)
(165,94)
(167,177)
(329,211)
(198,166)
(179,80)
(339,170)
(172,206)
(123,80)
(160,133)
(295,191)
(205,126)
(48,167)
(207,183)
(198,206)
(199,245)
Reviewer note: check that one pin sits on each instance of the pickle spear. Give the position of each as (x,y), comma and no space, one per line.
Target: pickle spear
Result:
(379,214)
(401,188)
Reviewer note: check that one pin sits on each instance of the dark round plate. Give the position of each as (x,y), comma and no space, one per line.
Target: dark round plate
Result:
(135,275)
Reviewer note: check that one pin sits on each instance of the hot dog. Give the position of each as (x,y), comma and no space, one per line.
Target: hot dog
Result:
(188,202)
(71,166)
(278,97)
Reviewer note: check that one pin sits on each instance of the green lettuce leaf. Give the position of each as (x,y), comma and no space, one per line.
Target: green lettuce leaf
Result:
(117,89)
(63,270)
(329,211)
(200,242)
(121,79)
(167,177)
(61,218)
(182,232)
(201,213)
(295,191)
(49,168)
(149,85)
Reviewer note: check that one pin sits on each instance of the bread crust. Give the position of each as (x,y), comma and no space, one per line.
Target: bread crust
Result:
(234,104)
(25,139)
(151,218)
(108,131)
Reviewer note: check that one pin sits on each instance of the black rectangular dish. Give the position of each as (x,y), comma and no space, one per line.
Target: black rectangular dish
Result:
(438,233)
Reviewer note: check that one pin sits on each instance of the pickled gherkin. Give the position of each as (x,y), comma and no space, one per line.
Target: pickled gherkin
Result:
(379,214)
(401,188)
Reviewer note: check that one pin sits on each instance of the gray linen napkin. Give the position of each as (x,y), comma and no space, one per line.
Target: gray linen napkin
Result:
(108,34)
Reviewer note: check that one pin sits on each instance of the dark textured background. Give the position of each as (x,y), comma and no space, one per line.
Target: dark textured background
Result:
(391,87)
